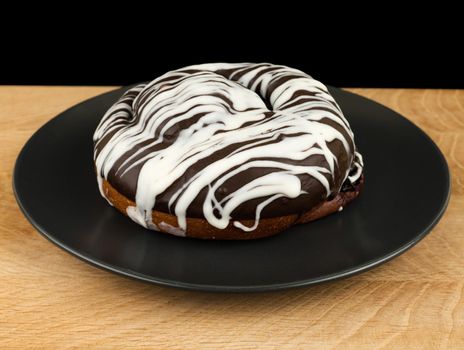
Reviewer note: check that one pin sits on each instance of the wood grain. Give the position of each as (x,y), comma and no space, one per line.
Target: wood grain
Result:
(49,299)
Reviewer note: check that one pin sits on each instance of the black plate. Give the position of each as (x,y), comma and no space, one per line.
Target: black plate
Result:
(406,192)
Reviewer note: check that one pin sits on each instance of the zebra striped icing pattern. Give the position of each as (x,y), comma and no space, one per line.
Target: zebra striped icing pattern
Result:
(226,142)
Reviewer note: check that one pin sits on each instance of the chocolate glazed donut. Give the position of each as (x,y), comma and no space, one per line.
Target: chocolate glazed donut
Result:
(227,151)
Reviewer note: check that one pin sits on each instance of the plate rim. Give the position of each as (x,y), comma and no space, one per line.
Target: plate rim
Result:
(235,288)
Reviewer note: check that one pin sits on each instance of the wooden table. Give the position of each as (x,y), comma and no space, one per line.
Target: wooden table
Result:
(49,299)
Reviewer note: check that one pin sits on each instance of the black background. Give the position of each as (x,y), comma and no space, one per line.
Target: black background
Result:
(393,52)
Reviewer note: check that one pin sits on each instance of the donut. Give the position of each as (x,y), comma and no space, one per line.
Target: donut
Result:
(227,151)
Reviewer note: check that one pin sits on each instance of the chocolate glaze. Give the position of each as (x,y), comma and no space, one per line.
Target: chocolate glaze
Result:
(136,109)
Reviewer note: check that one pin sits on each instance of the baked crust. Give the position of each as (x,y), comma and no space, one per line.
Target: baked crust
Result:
(200,228)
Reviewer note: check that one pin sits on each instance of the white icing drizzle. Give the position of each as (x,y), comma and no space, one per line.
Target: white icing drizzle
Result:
(135,214)
(171,229)
(357,167)
(221,112)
